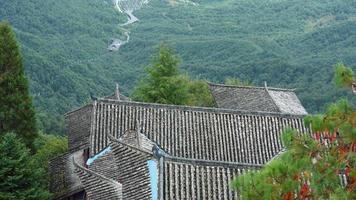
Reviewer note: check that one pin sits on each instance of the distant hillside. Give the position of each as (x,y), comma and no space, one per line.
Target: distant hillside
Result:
(288,43)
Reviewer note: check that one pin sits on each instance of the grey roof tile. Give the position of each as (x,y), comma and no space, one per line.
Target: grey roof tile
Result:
(198,133)
(263,99)
(288,102)
(205,148)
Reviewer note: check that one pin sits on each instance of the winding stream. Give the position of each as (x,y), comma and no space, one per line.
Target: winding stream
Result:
(128,7)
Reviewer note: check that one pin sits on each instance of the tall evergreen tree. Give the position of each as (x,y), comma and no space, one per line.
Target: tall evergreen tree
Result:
(20,177)
(163,83)
(16,111)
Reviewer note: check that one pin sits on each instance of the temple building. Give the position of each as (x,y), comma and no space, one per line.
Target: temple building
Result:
(121,149)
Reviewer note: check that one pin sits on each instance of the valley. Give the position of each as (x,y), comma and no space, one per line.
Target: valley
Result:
(289,44)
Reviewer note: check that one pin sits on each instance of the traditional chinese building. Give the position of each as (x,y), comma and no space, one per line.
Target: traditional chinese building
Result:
(120,149)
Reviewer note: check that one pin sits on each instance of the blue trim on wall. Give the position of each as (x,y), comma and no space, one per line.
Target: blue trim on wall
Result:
(153,170)
(101,153)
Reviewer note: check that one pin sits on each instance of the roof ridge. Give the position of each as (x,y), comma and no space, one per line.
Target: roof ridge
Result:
(118,141)
(78,108)
(201,109)
(273,100)
(251,87)
(104,178)
(210,162)
(189,160)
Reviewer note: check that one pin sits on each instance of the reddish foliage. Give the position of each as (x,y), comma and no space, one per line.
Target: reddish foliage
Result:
(288,196)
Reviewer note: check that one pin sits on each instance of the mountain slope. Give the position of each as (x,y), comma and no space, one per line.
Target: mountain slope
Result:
(286,43)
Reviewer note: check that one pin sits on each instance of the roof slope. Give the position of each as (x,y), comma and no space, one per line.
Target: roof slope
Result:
(257,99)
(287,102)
(132,171)
(97,186)
(63,180)
(195,181)
(181,178)
(197,133)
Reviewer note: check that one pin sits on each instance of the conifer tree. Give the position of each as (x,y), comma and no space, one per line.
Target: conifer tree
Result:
(16,111)
(20,177)
(163,83)
(344,77)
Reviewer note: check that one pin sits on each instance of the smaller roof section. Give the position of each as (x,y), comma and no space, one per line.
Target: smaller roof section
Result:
(262,99)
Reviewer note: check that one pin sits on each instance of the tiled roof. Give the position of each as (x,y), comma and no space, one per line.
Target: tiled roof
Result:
(96,185)
(201,149)
(257,99)
(119,173)
(132,171)
(182,178)
(287,102)
(193,181)
(63,180)
(198,133)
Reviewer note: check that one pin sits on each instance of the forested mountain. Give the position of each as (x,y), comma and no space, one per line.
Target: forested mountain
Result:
(288,43)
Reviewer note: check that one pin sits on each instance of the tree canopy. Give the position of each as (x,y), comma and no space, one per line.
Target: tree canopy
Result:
(23,175)
(66,59)
(163,82)
(20,176)
(48,147)
(16,111)
(237,82)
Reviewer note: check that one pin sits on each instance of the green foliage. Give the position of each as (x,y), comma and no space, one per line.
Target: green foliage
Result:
(344,76)
(48,147)
(287,137)
(51,123)
(64,46)
(199,94)
(305,161)
(20,177)
(236,81)
(163,83)
(16,111)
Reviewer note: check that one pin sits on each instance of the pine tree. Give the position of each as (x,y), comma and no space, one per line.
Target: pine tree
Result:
(344,77)
(163,83)
(321,165)
(16,111)
(20,177)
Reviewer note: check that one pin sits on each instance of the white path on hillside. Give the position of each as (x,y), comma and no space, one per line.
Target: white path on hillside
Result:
(128,7)
(130,18)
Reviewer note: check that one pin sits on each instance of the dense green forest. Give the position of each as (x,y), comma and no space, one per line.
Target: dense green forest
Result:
(288,43)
